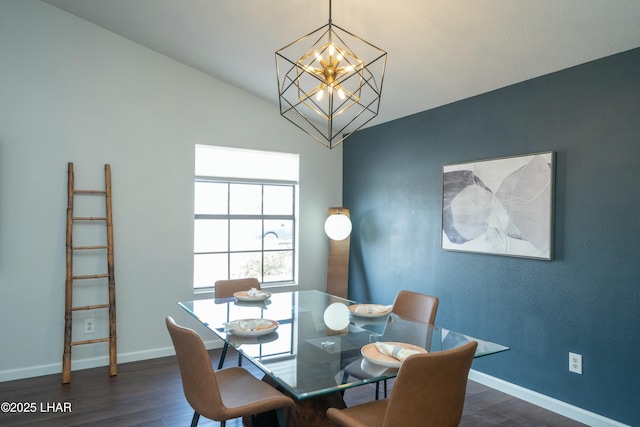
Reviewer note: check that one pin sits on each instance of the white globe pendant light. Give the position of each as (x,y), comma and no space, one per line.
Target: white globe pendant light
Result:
(337,226)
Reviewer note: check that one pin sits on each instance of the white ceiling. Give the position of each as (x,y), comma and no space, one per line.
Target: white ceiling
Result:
(439,51)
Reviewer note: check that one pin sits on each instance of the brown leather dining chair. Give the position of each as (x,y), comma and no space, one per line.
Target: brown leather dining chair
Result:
(409,305)
(429,392)
(226,289)
(225,394)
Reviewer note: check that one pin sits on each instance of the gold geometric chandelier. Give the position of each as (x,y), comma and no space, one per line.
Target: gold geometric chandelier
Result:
(325,88)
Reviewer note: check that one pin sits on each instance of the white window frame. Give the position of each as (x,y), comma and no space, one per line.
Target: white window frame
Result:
(209,177)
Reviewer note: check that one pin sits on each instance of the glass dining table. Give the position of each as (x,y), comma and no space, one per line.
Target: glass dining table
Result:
(298,349)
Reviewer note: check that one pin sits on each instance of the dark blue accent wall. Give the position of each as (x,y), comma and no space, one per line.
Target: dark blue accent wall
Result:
(587,300)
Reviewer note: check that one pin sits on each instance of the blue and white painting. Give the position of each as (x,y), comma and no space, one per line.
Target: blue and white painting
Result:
(500,206)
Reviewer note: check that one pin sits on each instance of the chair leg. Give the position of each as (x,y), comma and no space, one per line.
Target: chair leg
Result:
(280,415)
(377,390)
(239,359)
(223,355)
(385,389)
(194,420)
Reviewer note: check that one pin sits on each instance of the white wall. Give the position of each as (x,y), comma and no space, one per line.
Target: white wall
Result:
(71,91)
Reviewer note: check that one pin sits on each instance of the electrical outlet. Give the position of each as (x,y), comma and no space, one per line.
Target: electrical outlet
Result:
(89,326)
(575,363)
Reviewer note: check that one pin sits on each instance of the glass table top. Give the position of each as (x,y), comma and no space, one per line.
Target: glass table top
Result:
(303,354)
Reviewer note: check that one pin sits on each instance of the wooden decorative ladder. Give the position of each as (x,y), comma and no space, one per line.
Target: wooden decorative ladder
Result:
(71,278)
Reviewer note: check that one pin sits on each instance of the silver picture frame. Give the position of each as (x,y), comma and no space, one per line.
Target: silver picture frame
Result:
(501,206)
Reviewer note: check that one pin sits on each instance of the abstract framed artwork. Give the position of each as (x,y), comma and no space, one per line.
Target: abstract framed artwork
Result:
(500,206)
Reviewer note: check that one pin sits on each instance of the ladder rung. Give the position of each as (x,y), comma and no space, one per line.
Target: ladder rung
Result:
(90,307)
(88,218)
(89,192)
(90,276)
(90,341)
(82,248)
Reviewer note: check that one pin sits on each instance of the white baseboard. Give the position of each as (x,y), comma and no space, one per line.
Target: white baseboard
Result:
(95,362)
(546,402)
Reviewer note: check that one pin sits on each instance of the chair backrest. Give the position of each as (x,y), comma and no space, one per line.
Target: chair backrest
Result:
(430,389)
(416,306)
(198,379)
(226,288)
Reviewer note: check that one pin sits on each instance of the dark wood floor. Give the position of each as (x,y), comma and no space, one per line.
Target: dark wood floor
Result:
(149,394)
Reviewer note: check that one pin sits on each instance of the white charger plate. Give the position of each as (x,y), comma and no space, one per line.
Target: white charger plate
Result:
(261,330)
(365,313)
(244,296)
(371,353)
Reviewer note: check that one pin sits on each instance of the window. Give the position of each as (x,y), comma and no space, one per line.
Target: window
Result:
(245,216)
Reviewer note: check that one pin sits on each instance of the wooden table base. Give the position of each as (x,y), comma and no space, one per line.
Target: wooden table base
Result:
(310,412)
